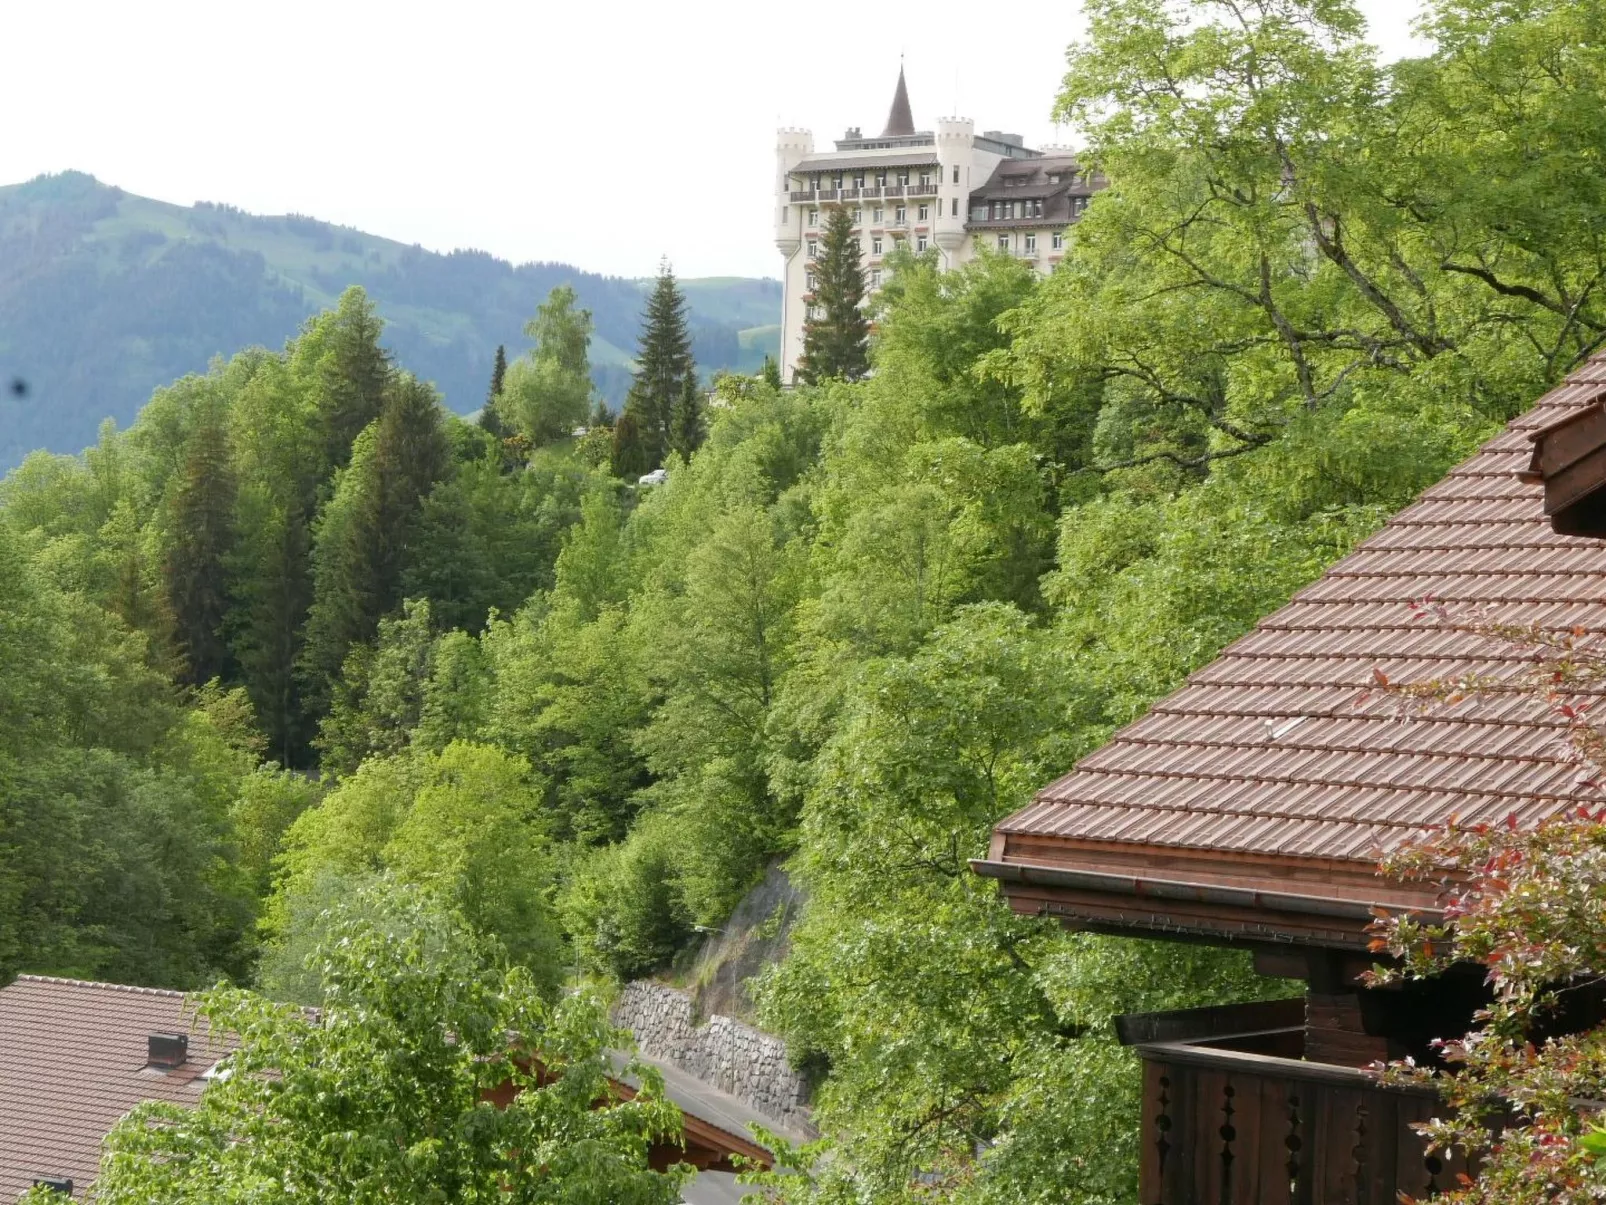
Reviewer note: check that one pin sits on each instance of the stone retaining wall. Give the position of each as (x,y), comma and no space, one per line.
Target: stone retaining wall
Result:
(736,1058)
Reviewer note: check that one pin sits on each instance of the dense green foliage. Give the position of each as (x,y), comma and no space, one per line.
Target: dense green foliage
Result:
(382,1095)
(854,627)
(105,295)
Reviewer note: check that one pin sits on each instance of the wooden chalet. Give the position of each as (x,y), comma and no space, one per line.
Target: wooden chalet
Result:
(1250,808)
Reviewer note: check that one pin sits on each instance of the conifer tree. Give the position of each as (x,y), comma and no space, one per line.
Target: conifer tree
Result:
(662,366)
(491,419)
(686,420)
(354,374)
(498,373)
(272,591)
(200,531)
(365,531)
(630,458)
(836,334)
(770,373)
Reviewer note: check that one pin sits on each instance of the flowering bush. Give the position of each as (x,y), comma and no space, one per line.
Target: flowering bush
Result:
(1526,1086)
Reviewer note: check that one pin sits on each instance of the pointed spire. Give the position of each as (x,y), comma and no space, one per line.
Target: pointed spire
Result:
(900,120)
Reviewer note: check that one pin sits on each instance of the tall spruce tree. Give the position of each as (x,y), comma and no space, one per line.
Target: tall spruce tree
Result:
(662,366)
(686,419)
(353,374)
(490,414)
(365,530)
(200,532)
(630,458)
(836,334)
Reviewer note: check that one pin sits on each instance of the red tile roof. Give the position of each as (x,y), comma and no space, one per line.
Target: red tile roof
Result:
(1274,767)
(72,1061)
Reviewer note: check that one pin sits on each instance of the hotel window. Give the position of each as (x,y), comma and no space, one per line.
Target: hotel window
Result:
(809,281)
(1037,208)
(875,278)
(1031,242)
(978,213)
(814,217)
(836,180)
(925,179)
(1003,244)
(877,215)
(954,212)
(956,173)
(814,249)
(881,179)
(920,243)
(858,216)
(900,215)
(875,246)
(1057,242)
(858,180)
(923,213)
(1018,212)
(903,176)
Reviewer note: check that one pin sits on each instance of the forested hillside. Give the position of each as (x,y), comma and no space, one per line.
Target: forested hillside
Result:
(105,295)
(299,630)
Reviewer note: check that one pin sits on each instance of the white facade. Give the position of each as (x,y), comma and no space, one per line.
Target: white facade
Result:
(920,186)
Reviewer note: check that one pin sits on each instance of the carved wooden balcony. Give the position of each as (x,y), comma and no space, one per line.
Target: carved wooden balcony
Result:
(1233,1114)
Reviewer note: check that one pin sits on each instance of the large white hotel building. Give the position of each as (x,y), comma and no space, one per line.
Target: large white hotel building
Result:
(951,189)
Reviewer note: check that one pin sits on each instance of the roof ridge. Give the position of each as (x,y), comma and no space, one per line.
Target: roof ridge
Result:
(100,986)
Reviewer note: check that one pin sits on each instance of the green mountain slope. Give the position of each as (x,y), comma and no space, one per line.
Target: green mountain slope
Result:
(105,295)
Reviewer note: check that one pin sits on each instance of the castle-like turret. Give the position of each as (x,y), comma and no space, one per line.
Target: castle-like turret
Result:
(790,148)
(956,139)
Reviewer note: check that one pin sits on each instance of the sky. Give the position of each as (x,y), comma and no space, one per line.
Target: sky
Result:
(603,135)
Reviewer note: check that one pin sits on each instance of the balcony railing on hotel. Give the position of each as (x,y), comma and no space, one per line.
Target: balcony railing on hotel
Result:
(1233,1115)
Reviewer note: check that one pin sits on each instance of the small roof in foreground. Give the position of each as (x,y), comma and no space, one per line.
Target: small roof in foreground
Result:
(73,1061)
(1253,803)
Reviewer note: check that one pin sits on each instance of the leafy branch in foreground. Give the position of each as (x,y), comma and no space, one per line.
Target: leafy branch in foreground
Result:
(402,1087)
(1524,1086)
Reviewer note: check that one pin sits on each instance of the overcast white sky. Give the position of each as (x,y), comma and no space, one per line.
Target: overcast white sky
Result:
(602,134)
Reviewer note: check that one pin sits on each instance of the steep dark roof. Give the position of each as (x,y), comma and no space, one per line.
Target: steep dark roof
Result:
(900,120)
(1254,801)
(72,1061)
(1053,179)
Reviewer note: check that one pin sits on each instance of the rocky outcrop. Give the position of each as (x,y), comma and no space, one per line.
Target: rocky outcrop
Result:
(734,1057)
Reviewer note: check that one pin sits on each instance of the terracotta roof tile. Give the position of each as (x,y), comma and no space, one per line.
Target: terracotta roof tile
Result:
(72,1061)
(1281,747)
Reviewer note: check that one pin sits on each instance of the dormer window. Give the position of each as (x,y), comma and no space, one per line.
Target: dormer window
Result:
(1569,460)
